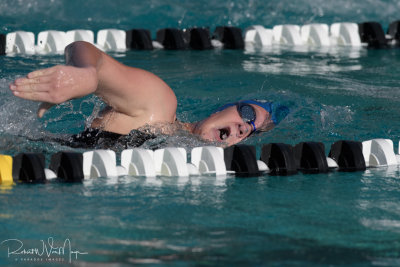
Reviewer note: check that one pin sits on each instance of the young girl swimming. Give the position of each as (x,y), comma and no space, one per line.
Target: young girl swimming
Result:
(136,98)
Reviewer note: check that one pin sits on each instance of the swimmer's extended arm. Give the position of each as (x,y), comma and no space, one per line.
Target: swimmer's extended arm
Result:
(56,85)
(132,92)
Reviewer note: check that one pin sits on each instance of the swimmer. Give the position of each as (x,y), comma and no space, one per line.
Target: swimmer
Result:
(134,98)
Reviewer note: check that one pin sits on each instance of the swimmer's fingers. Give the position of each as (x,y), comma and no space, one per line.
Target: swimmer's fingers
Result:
(25,87)
(36,88)
(33,92)
(41,76)
(43,108)
(34,95)
(35,77)
(44,79)
(56,85)
(41,73)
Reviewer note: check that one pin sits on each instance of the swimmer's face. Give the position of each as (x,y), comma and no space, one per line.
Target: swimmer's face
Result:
(228,127)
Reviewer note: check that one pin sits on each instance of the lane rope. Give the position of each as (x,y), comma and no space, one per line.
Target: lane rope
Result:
(366,34)
(238,161)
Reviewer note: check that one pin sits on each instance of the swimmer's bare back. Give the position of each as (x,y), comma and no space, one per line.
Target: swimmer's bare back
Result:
(135,97)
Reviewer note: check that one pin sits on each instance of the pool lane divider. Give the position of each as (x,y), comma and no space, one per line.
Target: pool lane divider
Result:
(366,34)
(277,159)
(6,169)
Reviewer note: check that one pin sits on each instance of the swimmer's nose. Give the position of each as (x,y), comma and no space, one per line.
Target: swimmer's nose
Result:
(243,130)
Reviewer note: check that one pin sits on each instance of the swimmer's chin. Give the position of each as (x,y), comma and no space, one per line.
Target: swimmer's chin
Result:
(213,142)
(165,128)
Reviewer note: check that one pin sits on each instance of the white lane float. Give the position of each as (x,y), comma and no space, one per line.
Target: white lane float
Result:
(287,34)
(379,152)
(209,160)
(315,34)
(258,36)
(111,40)
(51,42)
(345,34)
(100,163)
(79,35)
(171,161)
(20,42)
(138,162)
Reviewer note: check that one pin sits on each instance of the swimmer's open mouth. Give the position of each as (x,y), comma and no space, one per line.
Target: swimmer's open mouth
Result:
(224,133)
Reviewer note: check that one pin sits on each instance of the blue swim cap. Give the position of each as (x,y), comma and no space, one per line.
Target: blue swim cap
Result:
(278,112)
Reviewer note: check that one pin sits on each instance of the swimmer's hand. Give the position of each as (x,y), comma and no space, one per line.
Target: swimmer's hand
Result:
(55,85)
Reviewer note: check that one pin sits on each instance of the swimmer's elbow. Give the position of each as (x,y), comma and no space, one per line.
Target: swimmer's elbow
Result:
(82,54)
(70,49)
(76,45)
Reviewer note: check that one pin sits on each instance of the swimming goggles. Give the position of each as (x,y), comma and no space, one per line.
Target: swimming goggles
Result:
(278,112)
(247,113)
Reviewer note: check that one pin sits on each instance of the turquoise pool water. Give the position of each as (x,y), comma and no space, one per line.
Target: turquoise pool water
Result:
(300,220)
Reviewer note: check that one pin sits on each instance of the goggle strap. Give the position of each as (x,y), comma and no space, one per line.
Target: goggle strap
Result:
(254,126)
